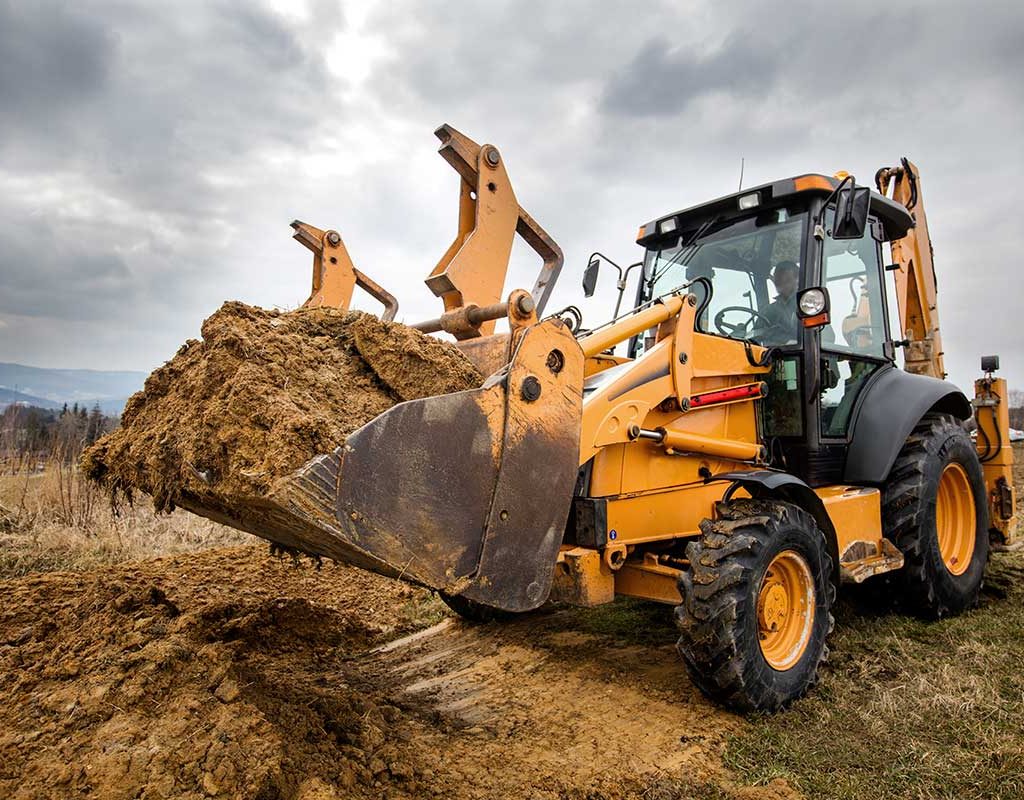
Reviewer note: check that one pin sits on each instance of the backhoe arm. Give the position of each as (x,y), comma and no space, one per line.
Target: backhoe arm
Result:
(916,290)
(916,287)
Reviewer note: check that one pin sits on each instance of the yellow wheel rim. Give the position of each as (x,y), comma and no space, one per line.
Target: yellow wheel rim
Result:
(955,519)
(785,610)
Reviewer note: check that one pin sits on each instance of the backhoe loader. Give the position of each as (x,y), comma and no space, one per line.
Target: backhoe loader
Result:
(738,444)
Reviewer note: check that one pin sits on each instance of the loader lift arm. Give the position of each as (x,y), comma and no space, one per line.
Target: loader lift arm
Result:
(470,277)
(473,268)
(334,275)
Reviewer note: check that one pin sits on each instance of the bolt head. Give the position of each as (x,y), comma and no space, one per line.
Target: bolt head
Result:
(530,390)
(333,237)
(492,157)
(525,304)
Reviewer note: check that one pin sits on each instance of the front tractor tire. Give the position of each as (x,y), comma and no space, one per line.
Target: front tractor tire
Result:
(934,509)
(756,608)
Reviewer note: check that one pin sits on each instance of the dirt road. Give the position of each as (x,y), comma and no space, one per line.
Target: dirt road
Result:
(540,703)
(233,674)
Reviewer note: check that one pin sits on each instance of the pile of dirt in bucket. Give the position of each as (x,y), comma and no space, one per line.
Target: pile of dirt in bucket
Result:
(262,394)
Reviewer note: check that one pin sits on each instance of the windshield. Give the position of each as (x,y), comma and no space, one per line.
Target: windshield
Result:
(752,266)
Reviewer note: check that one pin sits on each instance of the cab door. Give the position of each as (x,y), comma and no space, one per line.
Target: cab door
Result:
(856,342)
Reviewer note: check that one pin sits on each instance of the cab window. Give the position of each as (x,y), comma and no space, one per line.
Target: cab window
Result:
(852,274)
(853,343)
(749,265)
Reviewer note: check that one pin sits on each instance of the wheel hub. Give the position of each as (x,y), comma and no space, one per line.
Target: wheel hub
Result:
(785,610)
(773,608)
(955,518)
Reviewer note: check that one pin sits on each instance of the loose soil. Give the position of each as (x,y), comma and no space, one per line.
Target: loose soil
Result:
(233,674)
(262,394)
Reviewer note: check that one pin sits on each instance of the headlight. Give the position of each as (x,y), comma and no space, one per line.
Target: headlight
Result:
(813,302)
(667,225)
(748,201)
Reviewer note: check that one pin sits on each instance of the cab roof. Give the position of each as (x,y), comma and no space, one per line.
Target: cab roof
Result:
(896,220)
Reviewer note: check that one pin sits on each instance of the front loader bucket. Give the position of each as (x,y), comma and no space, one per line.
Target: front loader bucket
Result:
(466,492)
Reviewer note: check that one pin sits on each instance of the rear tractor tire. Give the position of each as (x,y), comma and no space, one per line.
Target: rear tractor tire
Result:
(934,509)
(756,608)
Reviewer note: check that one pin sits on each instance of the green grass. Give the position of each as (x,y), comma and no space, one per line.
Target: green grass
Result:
(906,708)
(628,621)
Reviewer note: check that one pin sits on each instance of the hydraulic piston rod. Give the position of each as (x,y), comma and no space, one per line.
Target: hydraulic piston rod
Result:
(686,442)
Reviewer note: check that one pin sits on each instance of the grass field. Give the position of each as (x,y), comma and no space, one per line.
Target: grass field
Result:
(906,708)
(55,520)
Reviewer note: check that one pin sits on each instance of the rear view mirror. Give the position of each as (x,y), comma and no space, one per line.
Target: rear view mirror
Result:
(852,206)
(590,278)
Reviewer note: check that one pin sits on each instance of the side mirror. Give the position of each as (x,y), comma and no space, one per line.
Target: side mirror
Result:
(590,277)
(852,206)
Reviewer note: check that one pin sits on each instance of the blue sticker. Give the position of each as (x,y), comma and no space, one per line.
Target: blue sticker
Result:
(612,534)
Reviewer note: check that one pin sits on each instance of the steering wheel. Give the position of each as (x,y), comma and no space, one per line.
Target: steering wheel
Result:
(739,329)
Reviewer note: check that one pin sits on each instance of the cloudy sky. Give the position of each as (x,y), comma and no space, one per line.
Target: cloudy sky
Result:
(153,154)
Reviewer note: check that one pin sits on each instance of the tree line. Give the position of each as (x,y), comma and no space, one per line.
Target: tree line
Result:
(31,436)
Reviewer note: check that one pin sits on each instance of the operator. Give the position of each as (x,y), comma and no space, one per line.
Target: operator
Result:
(782,310)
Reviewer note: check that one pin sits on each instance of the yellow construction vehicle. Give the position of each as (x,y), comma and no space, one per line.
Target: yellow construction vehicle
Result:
(752,447)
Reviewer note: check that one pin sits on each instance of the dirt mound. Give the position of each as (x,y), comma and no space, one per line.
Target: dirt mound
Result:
(263,393)
(166,680)
(231,674)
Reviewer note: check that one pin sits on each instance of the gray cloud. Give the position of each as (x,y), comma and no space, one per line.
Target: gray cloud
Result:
(151,156)
(128,138)
(663,79)
(53,59)
(873,56)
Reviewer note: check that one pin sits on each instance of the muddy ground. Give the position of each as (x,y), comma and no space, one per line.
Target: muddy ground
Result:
(232,673)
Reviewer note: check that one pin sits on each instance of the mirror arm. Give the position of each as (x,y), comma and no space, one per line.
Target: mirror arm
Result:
(819,231)
(621,285)
(596,254)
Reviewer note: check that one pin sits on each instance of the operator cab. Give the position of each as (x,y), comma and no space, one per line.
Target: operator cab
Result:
(750,258)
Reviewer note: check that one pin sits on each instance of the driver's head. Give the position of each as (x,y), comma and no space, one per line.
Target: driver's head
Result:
(785,278)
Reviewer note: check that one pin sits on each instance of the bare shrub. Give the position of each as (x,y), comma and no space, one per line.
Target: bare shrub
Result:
(55,520)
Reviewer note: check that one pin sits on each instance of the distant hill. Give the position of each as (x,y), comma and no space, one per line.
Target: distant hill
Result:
(9,396)
(51,388)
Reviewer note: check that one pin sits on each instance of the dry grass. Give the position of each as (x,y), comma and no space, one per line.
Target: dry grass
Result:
(55,520)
